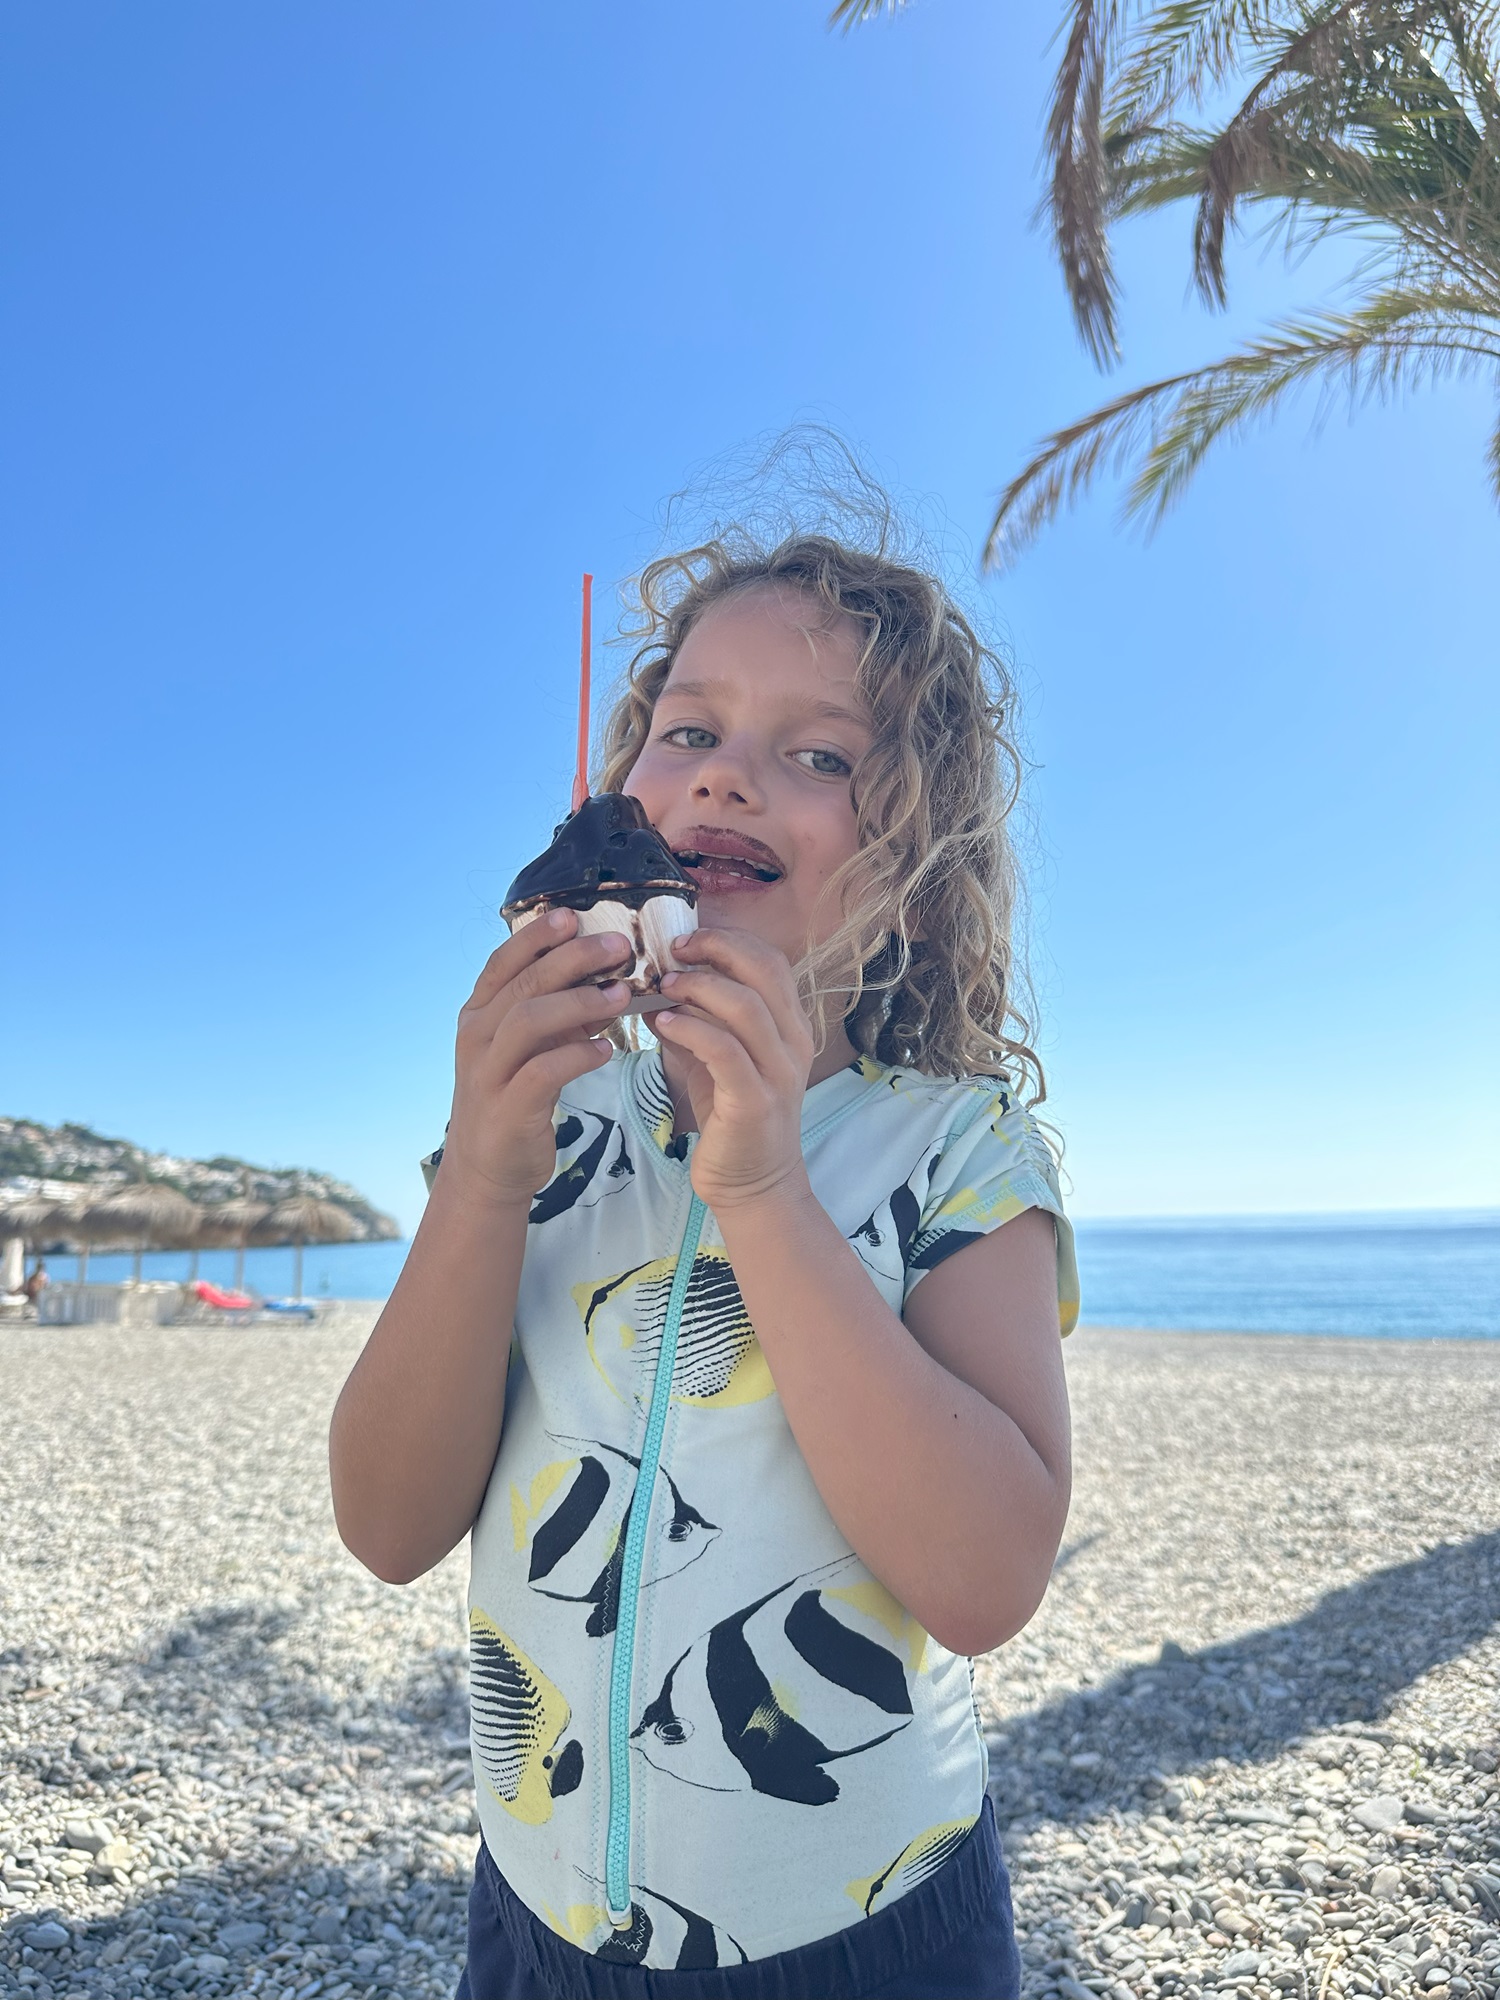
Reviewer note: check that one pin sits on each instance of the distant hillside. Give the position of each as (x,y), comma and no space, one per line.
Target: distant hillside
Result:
(31,1154)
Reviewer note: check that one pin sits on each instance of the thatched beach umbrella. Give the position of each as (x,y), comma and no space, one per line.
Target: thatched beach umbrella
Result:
(22,1220)
(303,1218)
(39,1218)
(229,1225)
(145,1214)
(35,1217)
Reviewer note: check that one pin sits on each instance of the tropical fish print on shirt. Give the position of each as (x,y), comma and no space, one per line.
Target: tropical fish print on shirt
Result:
(919,1859)
(884,1239)
(720,1364)
(592,1162)
(792,1683)
(969,1212)
(798,1749)
(684,1941)
(896,1243)
(574,1518)
(518,1719)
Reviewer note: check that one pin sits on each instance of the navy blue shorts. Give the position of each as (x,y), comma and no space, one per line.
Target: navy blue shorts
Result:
(952,1939)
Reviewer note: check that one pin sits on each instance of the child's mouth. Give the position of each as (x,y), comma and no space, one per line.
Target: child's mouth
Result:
(737,867)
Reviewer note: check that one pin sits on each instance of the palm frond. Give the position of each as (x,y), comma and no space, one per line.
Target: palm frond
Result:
(1077,197)
(1392,336)
(1067,463)
(850,13)
(1333,131)
(1475,39)
(1250,142)
(1183,48)
(1380,118)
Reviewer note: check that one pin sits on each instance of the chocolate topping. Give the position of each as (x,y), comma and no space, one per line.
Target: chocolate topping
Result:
(608,850)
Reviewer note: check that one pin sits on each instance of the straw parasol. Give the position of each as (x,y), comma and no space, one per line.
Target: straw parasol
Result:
(145,1214)
(302,1219)
(36,1218)
(22,1221)
(230,1225)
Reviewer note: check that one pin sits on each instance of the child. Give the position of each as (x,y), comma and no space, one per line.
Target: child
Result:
(756,1410)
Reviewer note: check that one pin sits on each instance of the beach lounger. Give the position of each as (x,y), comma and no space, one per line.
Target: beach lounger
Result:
(222,1301)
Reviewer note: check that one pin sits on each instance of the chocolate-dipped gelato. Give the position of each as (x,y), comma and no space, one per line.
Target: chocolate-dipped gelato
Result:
(608,862)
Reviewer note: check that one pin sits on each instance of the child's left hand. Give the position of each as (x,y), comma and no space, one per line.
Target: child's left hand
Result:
(749,1047)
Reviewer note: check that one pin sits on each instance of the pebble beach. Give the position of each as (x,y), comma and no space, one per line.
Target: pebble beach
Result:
(1248,1746)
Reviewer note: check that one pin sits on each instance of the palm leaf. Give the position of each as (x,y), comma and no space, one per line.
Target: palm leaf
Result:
(1078,194)
(1168,426)
(850,13)
(1184,47)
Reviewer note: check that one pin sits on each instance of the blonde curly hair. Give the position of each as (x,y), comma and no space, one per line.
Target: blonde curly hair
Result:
(923,964)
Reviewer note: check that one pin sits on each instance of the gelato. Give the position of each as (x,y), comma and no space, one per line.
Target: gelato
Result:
(608,862)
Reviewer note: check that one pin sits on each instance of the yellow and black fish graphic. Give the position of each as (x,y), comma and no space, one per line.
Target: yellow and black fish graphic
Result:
(719,1360)
(518,1720)
(785,1687)
(585,1142)
(686,1941)
(654,1101)
(919,1859)
(575,1515)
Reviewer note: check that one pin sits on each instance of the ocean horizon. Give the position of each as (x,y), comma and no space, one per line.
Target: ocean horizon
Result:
(1397,1275)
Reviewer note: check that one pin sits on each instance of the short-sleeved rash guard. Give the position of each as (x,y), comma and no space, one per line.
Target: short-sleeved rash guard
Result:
(702,1731)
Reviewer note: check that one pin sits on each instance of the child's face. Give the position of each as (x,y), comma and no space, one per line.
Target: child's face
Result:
(748,761)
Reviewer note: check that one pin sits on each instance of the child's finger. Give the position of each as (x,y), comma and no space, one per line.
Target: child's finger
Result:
(753,962)
(582,960)
(519,950)
(536,1083)
(550,966)
(549,1020)
(739,1008)
(736,1080)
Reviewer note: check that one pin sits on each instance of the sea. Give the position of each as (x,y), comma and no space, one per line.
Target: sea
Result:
(1429,1274)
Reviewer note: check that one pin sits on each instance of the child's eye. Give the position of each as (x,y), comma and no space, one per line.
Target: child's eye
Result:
(827,763)
(687,729)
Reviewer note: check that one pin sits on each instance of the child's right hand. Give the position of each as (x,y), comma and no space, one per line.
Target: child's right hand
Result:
(528,1028)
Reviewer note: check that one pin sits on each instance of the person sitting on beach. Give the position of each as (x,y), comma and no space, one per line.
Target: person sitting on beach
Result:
(37,1282)
(757,1410)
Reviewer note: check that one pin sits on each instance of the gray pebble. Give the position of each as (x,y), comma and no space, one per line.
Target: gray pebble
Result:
(1380,1815)
(46,1937)
(1169,1739)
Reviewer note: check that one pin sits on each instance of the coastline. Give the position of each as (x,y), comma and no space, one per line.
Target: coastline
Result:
(1273,1619)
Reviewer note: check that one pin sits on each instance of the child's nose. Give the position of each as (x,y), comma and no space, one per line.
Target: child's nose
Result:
(728,772)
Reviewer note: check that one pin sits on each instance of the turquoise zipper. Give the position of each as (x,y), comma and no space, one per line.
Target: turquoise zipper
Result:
(622,1666)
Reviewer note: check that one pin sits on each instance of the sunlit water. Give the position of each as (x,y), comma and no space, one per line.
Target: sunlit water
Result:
(1390,1276)
(329,1270)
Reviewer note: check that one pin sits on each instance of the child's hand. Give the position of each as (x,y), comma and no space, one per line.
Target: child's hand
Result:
(527,1029)
(750,1048)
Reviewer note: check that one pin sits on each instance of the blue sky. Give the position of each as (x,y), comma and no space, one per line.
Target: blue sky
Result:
(338,339)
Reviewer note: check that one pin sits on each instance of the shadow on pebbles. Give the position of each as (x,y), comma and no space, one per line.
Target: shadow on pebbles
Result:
(231,1762)
(1249,1743)
(1247,1747)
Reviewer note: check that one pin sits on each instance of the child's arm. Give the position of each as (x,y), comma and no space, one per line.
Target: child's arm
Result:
(417,1426)
(940,1443)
